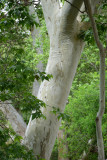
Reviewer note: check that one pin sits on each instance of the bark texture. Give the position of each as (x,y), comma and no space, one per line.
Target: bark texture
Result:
(65,51)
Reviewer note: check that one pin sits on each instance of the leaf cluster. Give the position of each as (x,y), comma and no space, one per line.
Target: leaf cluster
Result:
(17,73)
(18,59)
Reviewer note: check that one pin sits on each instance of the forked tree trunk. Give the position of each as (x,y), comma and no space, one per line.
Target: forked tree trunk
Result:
(65,51)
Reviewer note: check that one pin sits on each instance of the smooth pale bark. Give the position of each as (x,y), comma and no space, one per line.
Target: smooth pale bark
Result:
(100,144)
(13,117)
(65,51)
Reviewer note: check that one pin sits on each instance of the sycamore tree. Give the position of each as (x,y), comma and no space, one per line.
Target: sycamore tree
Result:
(63,25)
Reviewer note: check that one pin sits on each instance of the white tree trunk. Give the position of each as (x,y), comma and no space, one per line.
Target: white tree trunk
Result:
(41,133)
(65,51)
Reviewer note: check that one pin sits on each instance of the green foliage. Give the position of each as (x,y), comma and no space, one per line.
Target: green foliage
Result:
(17,73)
(59,114)
(18,59)
(82,109)
(10,147)
(15,12)
(88,67)
(81,128)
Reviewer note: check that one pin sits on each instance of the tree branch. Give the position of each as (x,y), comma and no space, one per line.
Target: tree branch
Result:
(14,118)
